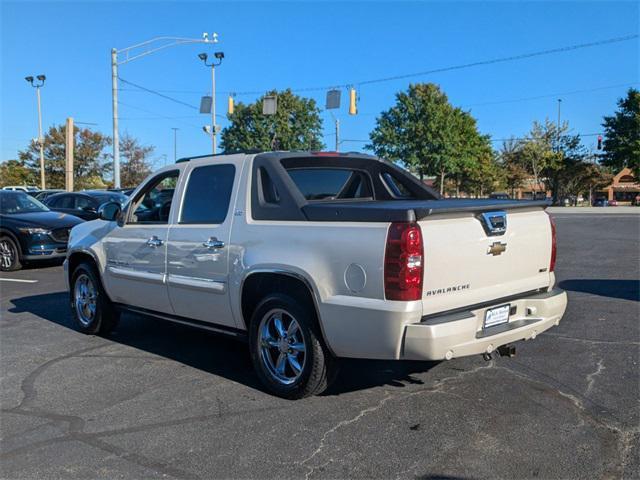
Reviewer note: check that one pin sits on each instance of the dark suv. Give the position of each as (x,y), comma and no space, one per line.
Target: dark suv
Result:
(30,231)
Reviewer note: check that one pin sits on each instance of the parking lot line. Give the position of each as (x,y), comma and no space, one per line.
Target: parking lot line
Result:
(18,280)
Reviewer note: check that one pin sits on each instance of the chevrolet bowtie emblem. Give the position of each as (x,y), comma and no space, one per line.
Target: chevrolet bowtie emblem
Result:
(496,248)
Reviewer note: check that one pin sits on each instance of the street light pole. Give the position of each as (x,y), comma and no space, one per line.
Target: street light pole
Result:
(132,53)
(41,79)
(219,56)
(213,106)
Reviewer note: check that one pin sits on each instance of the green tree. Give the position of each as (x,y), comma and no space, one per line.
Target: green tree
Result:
(482,176)
(511,162)
(295,126)
(89,157)
(622,135)
(15,172)
(427,134)
(135,163)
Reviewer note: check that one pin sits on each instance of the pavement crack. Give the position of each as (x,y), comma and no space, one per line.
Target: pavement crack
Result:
(591,342)
(591,378)
(437,387)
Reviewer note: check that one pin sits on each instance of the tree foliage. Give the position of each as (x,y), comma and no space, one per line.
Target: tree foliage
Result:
(426,133)
(295,126)
(622,135)
(89,157)
(15,172)
(135,164)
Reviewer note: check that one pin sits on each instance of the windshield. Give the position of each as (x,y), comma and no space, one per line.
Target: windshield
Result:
(19,202)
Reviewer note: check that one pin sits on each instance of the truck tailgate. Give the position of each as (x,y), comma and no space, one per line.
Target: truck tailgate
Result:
(466,266)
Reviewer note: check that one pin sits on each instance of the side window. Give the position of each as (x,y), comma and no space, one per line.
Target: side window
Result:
(66,201)
(153,203)
(83,202)
(208,193)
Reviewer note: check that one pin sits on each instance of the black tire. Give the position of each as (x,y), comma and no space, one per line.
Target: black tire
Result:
(319,367)
(105,317)
(10,254)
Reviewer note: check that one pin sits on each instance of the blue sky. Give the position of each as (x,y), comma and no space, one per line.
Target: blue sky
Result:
(307,44)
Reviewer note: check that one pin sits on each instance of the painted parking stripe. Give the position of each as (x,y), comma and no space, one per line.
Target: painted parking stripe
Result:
(17,280)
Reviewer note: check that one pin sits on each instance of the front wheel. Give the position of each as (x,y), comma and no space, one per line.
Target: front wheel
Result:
(93,311)
(9,255)
(287,350)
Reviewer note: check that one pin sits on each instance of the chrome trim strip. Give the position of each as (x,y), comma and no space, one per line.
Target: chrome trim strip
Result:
(195,283)
(505,327)
(140,275)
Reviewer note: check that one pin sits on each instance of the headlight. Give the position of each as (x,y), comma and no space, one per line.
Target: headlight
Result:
(35,231)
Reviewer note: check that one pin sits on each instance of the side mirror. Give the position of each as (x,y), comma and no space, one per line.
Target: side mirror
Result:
(109,211)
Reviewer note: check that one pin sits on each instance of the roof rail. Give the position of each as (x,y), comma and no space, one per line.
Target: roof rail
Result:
(234,152)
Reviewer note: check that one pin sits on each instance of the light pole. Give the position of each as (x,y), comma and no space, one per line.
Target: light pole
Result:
(41,79)
(175,143)
(132,53)
(219,56)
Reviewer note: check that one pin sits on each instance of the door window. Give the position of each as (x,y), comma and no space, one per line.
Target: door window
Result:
(153,203)
(83,202)
(208,194)
(66,201)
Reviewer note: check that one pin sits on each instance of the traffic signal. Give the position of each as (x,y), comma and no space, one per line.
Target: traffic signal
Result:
(599,142)
(230,105)
(353,107)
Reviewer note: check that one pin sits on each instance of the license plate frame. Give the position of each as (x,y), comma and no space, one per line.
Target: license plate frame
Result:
(496,316)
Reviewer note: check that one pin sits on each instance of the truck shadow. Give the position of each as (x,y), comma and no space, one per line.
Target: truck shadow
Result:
(623,289)
(210,352)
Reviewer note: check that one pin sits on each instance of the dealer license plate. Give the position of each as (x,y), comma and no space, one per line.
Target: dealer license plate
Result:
(496,316)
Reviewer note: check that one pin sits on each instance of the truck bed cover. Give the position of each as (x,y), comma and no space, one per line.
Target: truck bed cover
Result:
(407,210)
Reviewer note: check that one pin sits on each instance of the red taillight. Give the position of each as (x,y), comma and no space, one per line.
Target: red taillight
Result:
(552,263)
(403,262)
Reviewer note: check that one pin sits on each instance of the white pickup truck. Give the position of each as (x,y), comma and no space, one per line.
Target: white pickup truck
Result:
(313,256)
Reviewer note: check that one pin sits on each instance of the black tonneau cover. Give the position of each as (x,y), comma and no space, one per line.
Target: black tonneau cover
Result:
(406,210)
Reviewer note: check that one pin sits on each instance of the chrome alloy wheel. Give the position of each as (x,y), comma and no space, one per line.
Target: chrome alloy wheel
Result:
(84,299)
(7,254)
(282,346)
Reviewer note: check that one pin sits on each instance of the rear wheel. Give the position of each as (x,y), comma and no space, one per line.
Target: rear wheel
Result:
(93,311)
(9,255)
(287,349)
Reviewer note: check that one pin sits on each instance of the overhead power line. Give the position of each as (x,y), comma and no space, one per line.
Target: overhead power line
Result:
(155,92)
(492,61)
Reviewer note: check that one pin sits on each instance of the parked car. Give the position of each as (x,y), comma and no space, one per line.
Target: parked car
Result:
(30,231)
(500,196)
(601,202)
(42,195)
(83,204)
(315,256)
(17,188)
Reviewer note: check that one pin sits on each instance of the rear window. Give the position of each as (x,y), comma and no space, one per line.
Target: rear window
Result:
(208,194)
(331,183)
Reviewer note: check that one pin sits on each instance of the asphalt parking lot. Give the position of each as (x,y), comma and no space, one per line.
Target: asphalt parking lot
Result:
(159,400)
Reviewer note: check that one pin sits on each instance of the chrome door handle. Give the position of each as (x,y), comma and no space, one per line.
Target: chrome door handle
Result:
(213,243)
(154,242)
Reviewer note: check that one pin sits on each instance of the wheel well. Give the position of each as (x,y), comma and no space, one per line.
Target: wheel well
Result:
(259,285)
(76,259)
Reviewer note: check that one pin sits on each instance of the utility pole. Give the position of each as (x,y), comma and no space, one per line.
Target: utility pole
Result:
(41,79)
(114,107)
(219,56)
(175,143)
(68,155)
(337,134)
(132,53)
